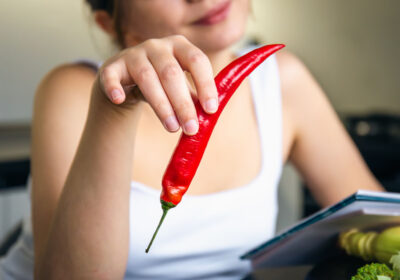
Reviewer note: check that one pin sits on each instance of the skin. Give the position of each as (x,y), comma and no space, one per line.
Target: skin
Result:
(90,139)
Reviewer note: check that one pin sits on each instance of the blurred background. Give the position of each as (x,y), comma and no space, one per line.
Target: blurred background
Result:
(351,46)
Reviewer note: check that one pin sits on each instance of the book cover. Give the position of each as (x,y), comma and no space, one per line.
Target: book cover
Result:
(315,238)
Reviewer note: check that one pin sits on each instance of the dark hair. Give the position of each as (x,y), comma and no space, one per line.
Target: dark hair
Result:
(112,8)
(107,5)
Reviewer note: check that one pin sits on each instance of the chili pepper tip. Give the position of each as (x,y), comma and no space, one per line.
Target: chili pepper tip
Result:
(165,207)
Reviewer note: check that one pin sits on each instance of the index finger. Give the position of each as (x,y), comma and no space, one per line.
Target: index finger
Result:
(197,63)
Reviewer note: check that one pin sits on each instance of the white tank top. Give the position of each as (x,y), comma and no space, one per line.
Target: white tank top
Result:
(205,235)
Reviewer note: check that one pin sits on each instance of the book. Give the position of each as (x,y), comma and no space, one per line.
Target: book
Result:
(315,238)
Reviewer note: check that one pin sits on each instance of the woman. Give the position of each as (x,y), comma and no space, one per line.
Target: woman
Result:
(99,151)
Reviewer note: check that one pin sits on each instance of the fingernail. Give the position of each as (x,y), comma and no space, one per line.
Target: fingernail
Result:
(171,123)
(211,105)
(191,127)
(115,95)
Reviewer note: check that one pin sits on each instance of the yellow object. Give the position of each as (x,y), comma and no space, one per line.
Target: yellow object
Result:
(371,245)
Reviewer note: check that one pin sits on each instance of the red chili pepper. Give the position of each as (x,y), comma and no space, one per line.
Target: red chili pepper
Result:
(190,149)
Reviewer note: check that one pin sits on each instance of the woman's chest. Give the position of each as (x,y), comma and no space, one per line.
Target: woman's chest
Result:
(234,154)
(217,229)
(232,157)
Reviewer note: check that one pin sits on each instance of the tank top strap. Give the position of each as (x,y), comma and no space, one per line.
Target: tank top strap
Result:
(266,90)
(92,64)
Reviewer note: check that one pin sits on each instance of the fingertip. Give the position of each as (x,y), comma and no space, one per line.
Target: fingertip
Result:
(211,105)
(171,124)
(117,97)
(191,127)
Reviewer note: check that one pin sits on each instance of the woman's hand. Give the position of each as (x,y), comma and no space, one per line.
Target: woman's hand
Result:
(157,67)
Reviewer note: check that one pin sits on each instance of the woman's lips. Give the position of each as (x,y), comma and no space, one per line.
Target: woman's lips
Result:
(216,15)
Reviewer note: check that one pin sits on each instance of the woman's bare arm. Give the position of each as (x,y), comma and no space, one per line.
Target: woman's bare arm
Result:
(90,233)
(322,150)
(82,230)
(60,109)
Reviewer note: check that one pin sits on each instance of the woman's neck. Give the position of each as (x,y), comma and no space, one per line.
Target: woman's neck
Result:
(220,59)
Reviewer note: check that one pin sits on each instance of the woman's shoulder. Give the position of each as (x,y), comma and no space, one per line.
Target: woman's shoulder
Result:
(64,83)
(63,96)
(68,76)
(298,85)
(291,69)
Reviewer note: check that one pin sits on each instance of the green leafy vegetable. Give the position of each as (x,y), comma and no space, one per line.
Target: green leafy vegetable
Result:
(384,278)
(374,271)
(395,261)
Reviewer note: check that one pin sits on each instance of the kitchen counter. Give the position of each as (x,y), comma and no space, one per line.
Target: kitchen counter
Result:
(14,141)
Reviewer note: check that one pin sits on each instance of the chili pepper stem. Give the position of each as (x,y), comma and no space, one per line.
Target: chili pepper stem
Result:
(165,207)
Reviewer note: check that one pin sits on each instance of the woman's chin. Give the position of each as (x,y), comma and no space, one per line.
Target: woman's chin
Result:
(218,42)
